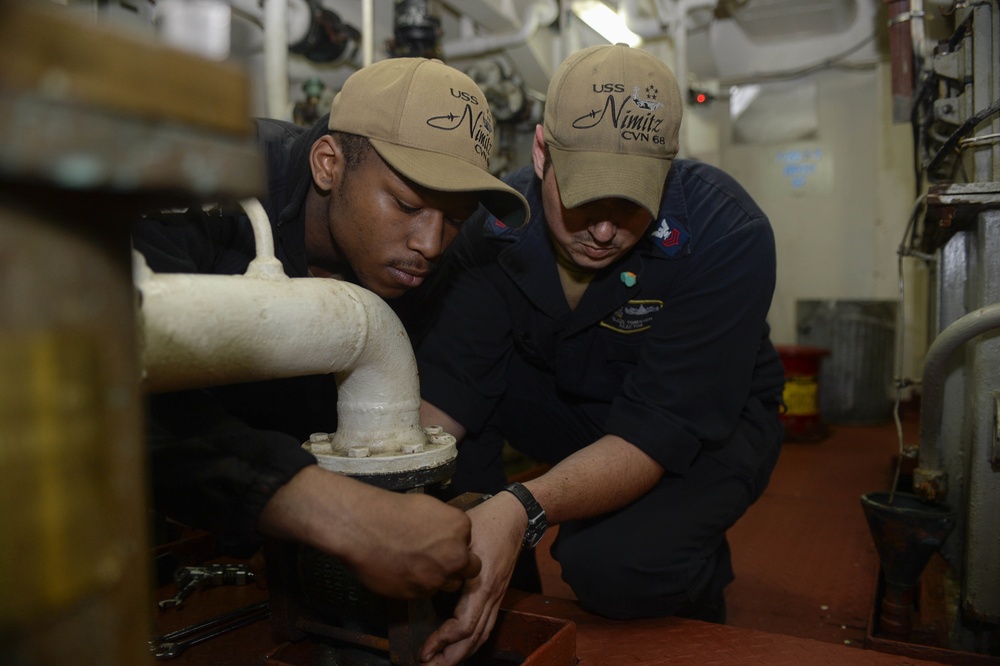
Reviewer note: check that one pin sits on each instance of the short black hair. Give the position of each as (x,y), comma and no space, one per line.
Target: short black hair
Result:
(354,147)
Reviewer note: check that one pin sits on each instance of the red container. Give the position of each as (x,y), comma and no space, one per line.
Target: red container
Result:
(801,415)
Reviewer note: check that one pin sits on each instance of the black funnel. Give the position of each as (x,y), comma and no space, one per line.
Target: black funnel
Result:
(907,533)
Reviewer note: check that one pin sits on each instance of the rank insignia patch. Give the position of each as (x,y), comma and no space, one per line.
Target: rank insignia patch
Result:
(494,227)
(670,238)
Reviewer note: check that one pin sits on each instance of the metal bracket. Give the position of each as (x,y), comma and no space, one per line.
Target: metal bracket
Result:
(946,110)
(950,65)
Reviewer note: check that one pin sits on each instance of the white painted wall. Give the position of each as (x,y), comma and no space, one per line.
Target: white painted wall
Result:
(837,234)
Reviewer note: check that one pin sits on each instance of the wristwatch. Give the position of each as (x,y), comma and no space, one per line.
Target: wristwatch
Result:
(537,522)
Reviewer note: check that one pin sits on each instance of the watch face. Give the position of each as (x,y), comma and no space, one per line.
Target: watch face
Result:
(533,535)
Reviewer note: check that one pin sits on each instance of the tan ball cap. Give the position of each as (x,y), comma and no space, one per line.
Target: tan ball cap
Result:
(612,119)
(431,123)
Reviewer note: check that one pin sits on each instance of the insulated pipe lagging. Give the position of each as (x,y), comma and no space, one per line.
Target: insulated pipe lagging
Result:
(975,323)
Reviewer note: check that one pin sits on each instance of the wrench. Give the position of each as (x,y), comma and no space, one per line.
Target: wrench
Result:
(189,579)
(173,644)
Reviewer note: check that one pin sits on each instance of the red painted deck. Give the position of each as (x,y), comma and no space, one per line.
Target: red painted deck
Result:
(805,563)
(806,567)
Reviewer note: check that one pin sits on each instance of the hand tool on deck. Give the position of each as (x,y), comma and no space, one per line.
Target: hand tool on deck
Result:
(189,579)
(174,643)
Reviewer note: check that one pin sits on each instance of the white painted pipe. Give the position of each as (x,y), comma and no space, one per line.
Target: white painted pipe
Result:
(367,32)
(929,477)
(645,27)
(917,33)
(265,265)
(196,26)
(276,58)
(536,15)
(680,37)
(668,17)
(209,330)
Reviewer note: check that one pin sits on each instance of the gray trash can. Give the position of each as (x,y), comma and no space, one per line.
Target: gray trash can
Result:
(857,376)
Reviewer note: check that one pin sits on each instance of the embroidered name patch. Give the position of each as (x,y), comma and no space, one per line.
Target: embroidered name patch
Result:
(633,317)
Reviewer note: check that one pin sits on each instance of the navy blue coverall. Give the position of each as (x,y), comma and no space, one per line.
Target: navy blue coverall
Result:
(668,348)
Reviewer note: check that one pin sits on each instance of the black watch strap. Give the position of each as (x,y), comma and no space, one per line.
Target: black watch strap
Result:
(537,522)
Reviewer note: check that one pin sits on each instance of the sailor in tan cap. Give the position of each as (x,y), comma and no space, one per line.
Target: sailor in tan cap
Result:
(432,133)
(373,194)
(621,338)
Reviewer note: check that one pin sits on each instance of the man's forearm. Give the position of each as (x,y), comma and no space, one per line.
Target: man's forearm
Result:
(400,545)
(602,477)
(309,509)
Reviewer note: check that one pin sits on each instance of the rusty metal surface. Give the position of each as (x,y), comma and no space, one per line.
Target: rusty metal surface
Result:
(344,635)
(931,622)
(955,206)
(970,194)
(907,532)
(410,623)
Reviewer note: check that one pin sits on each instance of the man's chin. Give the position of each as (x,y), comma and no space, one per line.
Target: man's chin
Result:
(386,292)
(392,282)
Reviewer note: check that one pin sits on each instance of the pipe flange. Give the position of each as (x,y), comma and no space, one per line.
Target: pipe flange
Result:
(415,465)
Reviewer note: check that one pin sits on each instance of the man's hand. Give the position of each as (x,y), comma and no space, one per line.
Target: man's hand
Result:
(399,545)
(498,527)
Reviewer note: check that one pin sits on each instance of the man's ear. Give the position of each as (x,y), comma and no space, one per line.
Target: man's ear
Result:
(538,151)
(327,163)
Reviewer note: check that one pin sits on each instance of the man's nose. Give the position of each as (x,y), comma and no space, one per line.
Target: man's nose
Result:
(428,237)
(603,231)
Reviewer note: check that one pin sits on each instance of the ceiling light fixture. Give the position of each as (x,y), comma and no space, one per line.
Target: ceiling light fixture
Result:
(605,21)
